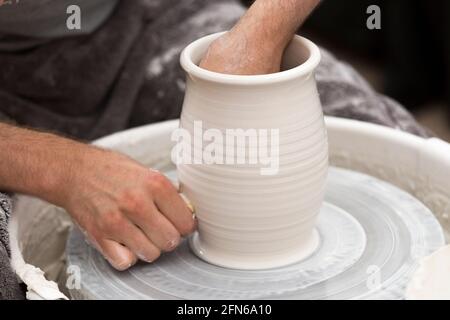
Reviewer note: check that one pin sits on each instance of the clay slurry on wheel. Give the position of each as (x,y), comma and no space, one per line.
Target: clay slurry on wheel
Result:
(365,225)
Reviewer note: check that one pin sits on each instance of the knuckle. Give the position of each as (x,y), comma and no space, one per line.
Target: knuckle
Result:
(111,222)
(130,200)
(159,182)
(151,221)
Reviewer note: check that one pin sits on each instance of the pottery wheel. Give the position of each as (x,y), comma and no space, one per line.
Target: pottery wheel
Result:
(372,235)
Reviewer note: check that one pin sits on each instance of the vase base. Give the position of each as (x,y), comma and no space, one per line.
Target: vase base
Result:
(254,262)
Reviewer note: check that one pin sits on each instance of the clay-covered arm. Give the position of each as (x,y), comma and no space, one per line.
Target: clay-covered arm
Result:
(127,210)
(255,45)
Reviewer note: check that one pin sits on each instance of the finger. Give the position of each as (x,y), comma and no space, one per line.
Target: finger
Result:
(155,226)
(135,240)
(120,257)
(172,206)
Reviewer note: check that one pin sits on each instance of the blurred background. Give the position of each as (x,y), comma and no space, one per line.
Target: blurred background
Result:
(407,59)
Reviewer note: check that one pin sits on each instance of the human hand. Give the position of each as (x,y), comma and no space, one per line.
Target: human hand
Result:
(127,211)
(239,53)
(255,45)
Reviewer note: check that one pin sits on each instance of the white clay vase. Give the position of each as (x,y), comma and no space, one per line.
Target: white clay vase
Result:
(246,219)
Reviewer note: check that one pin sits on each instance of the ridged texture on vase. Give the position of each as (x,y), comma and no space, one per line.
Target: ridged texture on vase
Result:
(248,220)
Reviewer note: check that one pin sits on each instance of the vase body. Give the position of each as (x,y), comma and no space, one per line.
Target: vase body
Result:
(258,211)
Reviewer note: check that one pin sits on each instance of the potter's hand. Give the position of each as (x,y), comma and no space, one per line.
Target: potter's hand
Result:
(127,210)
(256,43)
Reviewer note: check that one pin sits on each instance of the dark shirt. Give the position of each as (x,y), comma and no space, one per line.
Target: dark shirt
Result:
(26,23)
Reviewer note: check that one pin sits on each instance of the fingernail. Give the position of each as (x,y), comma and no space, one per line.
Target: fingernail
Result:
(123,262)
(171,244)
(125,265)
(118,266)
(143,258)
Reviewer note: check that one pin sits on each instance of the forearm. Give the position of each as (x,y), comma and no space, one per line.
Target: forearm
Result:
(36,163)
(256,43)
(126,210)
(274,22)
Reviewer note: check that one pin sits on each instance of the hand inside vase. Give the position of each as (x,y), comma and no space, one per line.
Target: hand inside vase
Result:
(255,45)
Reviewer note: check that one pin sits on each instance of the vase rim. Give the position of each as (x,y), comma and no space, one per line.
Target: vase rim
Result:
(307,67)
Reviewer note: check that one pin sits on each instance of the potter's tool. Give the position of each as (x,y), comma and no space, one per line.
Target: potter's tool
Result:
(372,235)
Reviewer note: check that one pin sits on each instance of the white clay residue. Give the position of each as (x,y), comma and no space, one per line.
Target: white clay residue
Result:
(432,279)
